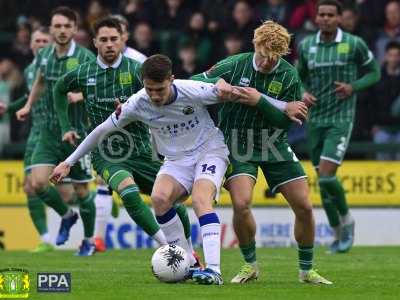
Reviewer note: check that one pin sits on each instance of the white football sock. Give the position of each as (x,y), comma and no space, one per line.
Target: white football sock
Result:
(45,238)
(68,214)
(159,237)
(346,219)
(103,211)
(175,234)
(211,234)
(336,232)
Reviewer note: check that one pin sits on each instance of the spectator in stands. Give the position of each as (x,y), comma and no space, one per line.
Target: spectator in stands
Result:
(276,10)
(187,65)
(197,34)
(10,80)
(372,13)
(171,15)
(350,22)
(391,30)
(386,129)
(169,20)
(243,23)
(136,11)
(232,44)
(95,11)
(82,37)
(20,49)
(143,39)
(303,16)
(128,51)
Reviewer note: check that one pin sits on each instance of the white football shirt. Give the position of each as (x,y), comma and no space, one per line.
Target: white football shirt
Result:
(181,128)
(134,54)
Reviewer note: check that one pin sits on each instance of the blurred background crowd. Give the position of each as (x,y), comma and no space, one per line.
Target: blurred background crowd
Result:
(198,33)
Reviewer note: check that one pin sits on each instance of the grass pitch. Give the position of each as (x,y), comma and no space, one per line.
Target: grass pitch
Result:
(364,273)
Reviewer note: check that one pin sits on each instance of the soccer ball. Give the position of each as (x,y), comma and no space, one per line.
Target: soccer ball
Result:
(170,263)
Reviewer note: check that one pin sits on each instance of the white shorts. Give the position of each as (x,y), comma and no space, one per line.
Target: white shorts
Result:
(212,166)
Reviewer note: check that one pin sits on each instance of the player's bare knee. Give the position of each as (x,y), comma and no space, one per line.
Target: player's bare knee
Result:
(161,202)
(39,184)
(304,211)
(241,205)
(125,183)
(202,206)
(28,189)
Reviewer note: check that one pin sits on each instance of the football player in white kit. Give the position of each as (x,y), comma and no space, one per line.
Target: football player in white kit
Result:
(196,156)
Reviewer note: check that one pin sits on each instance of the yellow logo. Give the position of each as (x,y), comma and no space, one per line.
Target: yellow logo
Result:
(229,170)
(343,48)
(72,63)
(125,78)
(106,174)
(275,87)
(14,283)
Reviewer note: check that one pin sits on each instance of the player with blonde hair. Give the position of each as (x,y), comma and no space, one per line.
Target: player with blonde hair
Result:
(254,141)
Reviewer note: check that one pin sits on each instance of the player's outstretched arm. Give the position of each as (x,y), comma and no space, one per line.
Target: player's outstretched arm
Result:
(13,106)
(61,105)
(279,113)
(60,172)
(34,95)
(88,144)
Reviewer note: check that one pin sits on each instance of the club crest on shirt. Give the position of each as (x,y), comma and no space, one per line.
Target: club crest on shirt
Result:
(343,48)
(244,81)
(72,63)
(125,78)
(91,81)
(274,87)
(188,110)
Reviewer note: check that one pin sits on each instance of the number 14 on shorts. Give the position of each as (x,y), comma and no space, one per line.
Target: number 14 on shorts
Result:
(209,168)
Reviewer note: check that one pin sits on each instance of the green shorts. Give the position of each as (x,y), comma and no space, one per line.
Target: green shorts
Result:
(141,166)
(50,151)
(276,173)
(31,142)
(328,142)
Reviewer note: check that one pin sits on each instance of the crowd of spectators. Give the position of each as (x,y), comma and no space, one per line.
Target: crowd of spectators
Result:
(196,34)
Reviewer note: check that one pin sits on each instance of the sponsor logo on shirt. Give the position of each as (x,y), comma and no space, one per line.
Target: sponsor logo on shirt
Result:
(275,87)
(244,81)
(312,49)
(125,78)
(188,110)
(72,63)
(44,61)
(174,130)
(91,81)
(312,64)
(343,48)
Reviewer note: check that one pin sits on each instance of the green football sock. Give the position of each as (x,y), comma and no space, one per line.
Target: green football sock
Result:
(329,207)
(183,215)
(306,254)
(52,198)
(37,211)
(87,211)
(138,210)
(249,252)
(334,188)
